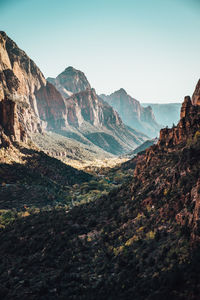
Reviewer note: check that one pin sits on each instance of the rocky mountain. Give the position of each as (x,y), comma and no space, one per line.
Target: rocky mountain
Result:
(29,104)
(166,114)
(142,240)
(91,118)
(70,81)
(132,113)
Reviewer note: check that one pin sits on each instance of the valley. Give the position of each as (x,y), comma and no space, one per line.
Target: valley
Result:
(95,201)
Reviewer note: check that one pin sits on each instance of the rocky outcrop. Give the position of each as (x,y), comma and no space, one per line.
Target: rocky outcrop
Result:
(132,113)
(19,79)
(70,81)
(196,95)
(186,128)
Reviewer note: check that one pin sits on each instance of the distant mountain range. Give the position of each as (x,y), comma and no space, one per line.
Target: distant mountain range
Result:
(166,114)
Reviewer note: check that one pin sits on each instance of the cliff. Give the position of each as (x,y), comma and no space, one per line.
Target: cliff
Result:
(25,97)
(86,106)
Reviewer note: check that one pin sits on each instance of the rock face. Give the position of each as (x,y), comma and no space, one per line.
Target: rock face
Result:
(19,79)
(70,81)
(25,97)
(186,128)
(196,95)
(132,113)
(86,106)
(51,106)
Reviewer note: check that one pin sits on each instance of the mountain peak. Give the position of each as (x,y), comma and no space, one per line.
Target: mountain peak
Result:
(70,81)
(71,69)
(121,92)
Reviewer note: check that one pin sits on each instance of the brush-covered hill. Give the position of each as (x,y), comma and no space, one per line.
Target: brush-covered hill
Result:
(139,242)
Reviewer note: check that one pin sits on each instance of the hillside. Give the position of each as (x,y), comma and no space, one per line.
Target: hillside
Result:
(141,240)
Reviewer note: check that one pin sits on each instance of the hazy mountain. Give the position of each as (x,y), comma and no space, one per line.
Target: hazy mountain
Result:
(166,114)
(132,113)
(70,81)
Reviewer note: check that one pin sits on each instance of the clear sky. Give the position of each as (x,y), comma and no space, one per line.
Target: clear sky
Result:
(151,48)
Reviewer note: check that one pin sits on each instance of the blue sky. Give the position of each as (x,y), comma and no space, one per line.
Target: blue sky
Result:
(151,48)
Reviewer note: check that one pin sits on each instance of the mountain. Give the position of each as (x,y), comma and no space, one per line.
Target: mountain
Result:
(29,105)
(132,113)
(70,81)
(165,114)
(90,118)
(142,240)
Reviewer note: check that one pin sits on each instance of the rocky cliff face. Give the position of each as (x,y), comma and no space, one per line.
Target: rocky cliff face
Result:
(132,113)
(25,96)
(186,128)
(19,78)
(170,170)
(196,95)
(51,106)
(70,81)
(86,106)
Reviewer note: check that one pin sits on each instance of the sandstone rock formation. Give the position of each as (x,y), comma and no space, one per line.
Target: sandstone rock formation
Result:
(132,113)
(70,81)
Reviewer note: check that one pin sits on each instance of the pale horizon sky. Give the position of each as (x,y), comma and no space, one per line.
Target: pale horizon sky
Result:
(151,48)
